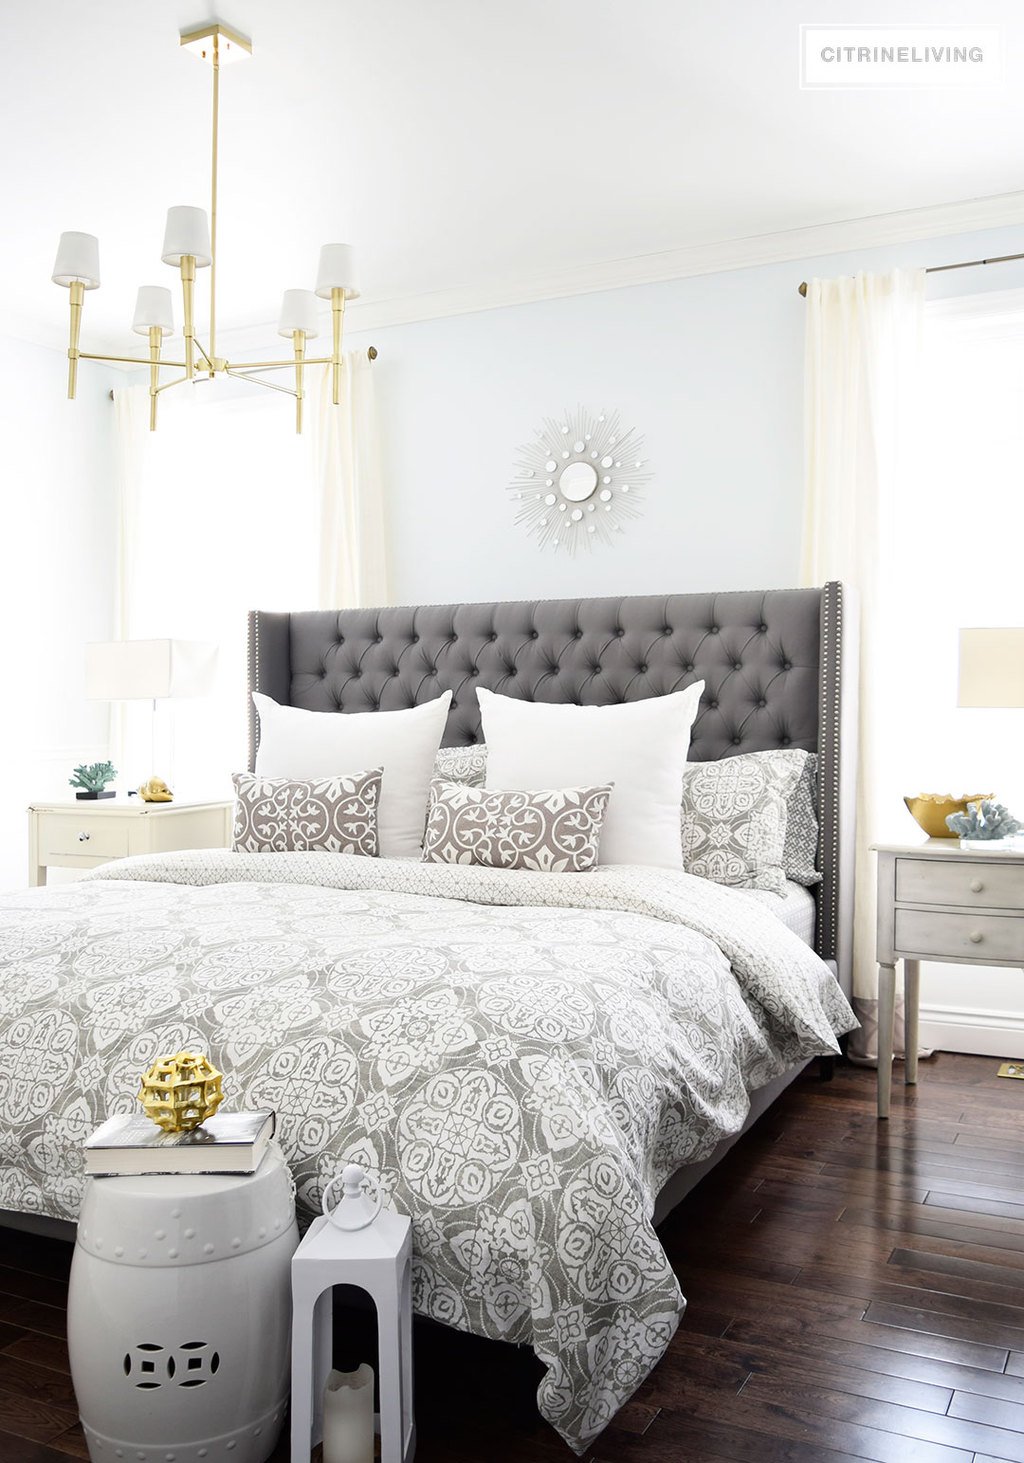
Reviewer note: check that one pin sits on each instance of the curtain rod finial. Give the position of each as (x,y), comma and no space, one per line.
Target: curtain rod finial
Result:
(801,289)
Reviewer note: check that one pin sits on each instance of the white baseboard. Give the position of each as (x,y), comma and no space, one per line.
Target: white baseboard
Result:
(984,1033)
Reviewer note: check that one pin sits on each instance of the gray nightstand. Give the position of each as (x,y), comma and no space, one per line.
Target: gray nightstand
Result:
(938,902)
(83,835)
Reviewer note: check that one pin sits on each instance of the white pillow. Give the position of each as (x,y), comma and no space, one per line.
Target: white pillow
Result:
(640,746)
(296,743)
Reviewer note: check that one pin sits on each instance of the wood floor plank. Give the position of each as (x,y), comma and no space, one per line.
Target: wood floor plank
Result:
(40,1350)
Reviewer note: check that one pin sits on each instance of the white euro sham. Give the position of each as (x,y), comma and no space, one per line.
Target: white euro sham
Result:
(639,746)
(302,744)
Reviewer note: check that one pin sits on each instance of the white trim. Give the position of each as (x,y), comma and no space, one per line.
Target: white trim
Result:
(840,237)
(985,1033)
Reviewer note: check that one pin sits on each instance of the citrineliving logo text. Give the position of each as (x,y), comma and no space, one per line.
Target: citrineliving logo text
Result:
(884,57)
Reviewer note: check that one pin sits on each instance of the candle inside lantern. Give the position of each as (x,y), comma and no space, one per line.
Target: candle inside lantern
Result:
(348,1416)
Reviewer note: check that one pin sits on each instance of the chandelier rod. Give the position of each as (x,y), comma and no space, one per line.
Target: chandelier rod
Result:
(213,204)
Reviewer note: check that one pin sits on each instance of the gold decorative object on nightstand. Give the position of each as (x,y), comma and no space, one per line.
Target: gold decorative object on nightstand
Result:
(182,1091)
(156,791)
(930,810)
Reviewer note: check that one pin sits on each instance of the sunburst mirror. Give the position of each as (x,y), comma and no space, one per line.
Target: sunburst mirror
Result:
(580,480)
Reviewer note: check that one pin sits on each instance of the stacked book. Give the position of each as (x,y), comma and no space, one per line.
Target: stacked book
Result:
(231,1142)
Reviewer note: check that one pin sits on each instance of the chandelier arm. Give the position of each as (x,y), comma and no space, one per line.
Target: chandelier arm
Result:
(176,382)
(127,360)
(278,365)
(270,385)
(202,352)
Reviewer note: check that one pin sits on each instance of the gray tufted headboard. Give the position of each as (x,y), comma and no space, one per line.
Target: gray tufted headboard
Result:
(772,662)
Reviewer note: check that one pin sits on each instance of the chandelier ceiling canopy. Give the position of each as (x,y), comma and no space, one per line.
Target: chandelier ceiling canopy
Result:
(190,244)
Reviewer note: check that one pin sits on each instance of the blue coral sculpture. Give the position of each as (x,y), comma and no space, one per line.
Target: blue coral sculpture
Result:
(93,777)
(983,822)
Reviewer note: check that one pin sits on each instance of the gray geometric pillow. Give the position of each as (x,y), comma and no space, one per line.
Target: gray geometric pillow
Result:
(800,856)
(734,817)
(467,765)
(555,831)
(317,814)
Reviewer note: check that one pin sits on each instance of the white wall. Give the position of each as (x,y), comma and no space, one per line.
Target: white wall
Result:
(57,555)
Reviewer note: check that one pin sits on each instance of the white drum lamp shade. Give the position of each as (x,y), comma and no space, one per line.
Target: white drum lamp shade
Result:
(148,670)
(187,232)
(337,271)
(298,312)
(991,667)
(153,310)
(78,261)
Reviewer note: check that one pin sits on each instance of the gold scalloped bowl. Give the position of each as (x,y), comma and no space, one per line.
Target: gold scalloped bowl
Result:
(931,809)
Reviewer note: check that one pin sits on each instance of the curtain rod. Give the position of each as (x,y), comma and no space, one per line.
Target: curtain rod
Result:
(371,355)
(942,268)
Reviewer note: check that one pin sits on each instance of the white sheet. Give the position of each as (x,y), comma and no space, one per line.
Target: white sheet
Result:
(794,907)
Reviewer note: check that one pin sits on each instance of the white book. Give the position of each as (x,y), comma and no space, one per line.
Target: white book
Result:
(229,1142)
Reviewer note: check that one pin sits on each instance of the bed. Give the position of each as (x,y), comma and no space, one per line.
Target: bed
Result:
(535,1066)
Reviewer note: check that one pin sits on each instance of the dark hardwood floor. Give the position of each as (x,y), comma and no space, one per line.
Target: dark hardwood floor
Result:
(856,1290)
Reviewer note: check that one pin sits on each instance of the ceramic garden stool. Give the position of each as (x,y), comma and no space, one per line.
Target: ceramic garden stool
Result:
(370,1248)
(178,1314)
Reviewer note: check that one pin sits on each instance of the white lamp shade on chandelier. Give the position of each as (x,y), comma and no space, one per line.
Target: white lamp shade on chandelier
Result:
(337,271)
(991,666)
(78,261)
(153,310)
(298,312)
(148,670)
(187,233)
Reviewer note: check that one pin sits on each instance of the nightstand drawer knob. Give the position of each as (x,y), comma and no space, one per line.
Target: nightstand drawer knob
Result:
(976,886)
(83,838)
(976,937)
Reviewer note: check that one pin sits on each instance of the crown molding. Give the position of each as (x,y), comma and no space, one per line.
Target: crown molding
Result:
(722,256)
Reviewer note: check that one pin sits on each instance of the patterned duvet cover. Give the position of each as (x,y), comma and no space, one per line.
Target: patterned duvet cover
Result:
(522,1059)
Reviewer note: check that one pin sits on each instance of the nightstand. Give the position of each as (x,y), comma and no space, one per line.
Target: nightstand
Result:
(82,835)
(938,902)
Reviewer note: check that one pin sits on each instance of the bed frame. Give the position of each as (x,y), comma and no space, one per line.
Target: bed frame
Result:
(779,670)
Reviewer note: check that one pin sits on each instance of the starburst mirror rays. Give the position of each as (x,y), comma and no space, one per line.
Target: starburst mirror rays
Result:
(580,480)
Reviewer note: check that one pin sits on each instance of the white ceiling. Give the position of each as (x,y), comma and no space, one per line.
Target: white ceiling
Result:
(457,143)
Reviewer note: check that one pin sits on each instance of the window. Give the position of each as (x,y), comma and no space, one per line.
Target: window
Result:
(226,523)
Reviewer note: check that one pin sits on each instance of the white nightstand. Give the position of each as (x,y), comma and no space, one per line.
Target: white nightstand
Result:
(937,901)
(82,835)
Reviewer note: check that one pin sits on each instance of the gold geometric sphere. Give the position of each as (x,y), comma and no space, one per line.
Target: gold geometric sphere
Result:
(182,1091)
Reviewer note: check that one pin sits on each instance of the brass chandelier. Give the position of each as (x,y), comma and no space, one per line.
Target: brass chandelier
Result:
(190,243)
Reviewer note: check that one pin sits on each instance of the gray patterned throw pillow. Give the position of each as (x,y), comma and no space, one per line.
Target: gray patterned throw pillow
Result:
(316,814)
(467,765)
(734,817)
(556,831)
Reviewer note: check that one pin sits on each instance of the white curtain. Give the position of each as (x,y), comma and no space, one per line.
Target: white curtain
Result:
(353,570)
(862,373)
(131,430)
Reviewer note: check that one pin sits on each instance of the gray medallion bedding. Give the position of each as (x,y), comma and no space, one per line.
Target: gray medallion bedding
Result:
(522,1058)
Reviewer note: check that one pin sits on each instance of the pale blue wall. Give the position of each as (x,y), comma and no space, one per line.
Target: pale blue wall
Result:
(709,368)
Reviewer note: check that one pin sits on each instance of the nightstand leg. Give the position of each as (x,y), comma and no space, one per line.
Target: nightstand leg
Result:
(911,1016)
(886,1009)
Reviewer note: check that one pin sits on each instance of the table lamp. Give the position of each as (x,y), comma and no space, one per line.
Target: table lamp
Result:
(991,667)
(148,670)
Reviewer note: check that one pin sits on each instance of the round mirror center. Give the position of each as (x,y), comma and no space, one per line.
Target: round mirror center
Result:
(577,481)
